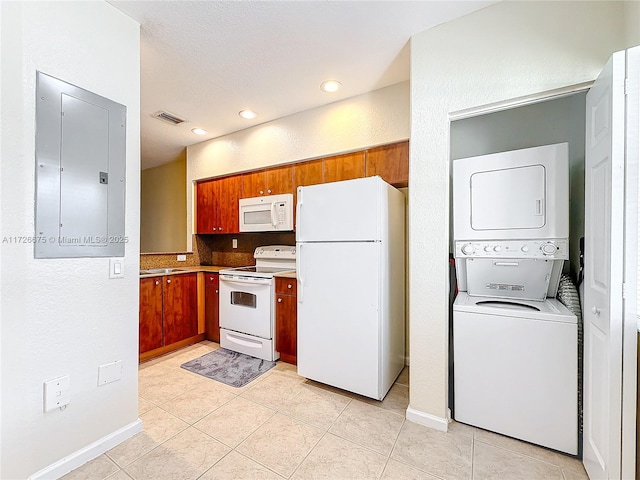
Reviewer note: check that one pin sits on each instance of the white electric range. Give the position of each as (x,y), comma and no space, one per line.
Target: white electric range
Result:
(247,306)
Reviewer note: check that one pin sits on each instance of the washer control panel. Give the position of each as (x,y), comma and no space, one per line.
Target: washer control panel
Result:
(557,249)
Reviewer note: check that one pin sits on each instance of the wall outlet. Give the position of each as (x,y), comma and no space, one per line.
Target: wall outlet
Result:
(56,393)
(234,243)
(181,258)
(109,372)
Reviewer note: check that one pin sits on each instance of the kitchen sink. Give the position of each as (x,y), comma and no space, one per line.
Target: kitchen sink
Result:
(151,271)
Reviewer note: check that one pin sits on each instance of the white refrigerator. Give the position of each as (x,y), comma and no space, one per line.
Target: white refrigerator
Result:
(350,242)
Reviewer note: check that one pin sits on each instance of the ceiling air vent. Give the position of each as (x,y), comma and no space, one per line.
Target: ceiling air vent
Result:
(169,117)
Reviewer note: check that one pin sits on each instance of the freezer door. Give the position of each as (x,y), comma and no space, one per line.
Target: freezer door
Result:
(340,211)
(338,315)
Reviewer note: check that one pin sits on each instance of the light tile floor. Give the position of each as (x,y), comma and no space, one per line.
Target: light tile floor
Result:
(284,426)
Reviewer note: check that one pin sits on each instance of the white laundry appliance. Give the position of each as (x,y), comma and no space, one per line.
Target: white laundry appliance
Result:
(247,302)
(515,369)
(350,271)
(515,350)
(516,195)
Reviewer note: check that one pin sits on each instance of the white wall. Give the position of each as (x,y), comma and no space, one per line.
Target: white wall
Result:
(63,316)
(356,123)
(505,51)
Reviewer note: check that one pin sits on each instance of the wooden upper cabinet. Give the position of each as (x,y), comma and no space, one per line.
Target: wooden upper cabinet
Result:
(279,180)
(254,184)
(391,162)
(270,181)
(217,205)
(229,192)
(307,173)
(344,167)
(206,207)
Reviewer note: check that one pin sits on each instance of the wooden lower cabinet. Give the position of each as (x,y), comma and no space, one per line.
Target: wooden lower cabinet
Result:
(212,307)
(168,313)
(150,332)
(180,307)
(287,320)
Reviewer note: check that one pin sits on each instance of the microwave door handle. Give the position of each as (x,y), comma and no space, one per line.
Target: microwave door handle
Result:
(274,216)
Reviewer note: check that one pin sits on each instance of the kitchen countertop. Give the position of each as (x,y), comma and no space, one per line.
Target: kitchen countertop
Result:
(180,270)
(286,275)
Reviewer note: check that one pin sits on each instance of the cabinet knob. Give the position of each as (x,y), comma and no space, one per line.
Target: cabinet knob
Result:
(214,229)
(268,191)
(279,300)
(219,228)
(211,278)
(261,192)
(157,282)
(169,280)
(289,286)
(216,291)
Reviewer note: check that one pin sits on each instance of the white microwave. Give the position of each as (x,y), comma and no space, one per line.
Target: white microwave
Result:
(271,213)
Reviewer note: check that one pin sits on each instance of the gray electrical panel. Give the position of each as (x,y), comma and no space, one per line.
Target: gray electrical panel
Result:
(80,172)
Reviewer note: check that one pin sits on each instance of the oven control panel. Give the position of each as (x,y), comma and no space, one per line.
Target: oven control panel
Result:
(555,249)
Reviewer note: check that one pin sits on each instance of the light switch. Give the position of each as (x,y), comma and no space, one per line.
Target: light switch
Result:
(181,258)
(116,268)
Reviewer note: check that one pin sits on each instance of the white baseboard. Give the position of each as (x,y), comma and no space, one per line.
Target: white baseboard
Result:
(91,451)
(426,419)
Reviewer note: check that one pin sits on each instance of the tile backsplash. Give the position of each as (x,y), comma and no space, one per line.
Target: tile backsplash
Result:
(218,250)
(223,253)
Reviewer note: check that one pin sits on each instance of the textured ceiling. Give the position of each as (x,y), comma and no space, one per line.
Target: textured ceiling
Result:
(207,60)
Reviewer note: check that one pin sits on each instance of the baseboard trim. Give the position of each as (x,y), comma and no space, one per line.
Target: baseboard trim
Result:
(91,451)
(426,419)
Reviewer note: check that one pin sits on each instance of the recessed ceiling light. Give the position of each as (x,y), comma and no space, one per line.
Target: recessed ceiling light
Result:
(248,114)
(199,131)
(330,86)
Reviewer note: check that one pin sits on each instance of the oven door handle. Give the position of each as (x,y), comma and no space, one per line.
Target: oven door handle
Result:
(262,281)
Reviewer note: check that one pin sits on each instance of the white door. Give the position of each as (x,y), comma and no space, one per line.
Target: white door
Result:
(603,306)
(338,315)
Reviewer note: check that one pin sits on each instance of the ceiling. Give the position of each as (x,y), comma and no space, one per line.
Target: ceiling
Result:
(205,61)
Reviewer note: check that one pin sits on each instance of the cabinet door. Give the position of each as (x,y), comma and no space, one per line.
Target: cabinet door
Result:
(344,167)
(150,327)
(280,180)
(391,162)
(286,328)
(180,307)
(229,192)
(206,206)
(254,184)
(212,307)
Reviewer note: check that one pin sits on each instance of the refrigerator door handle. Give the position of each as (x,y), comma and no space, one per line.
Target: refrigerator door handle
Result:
(300,292)
(298,225)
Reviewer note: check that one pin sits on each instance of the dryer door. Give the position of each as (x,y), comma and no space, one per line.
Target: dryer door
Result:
(508,199)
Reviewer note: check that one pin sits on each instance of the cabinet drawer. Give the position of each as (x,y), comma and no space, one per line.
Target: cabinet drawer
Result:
(286,286)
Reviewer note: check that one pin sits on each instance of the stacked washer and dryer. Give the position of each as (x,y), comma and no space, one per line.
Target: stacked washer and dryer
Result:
(515,346)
